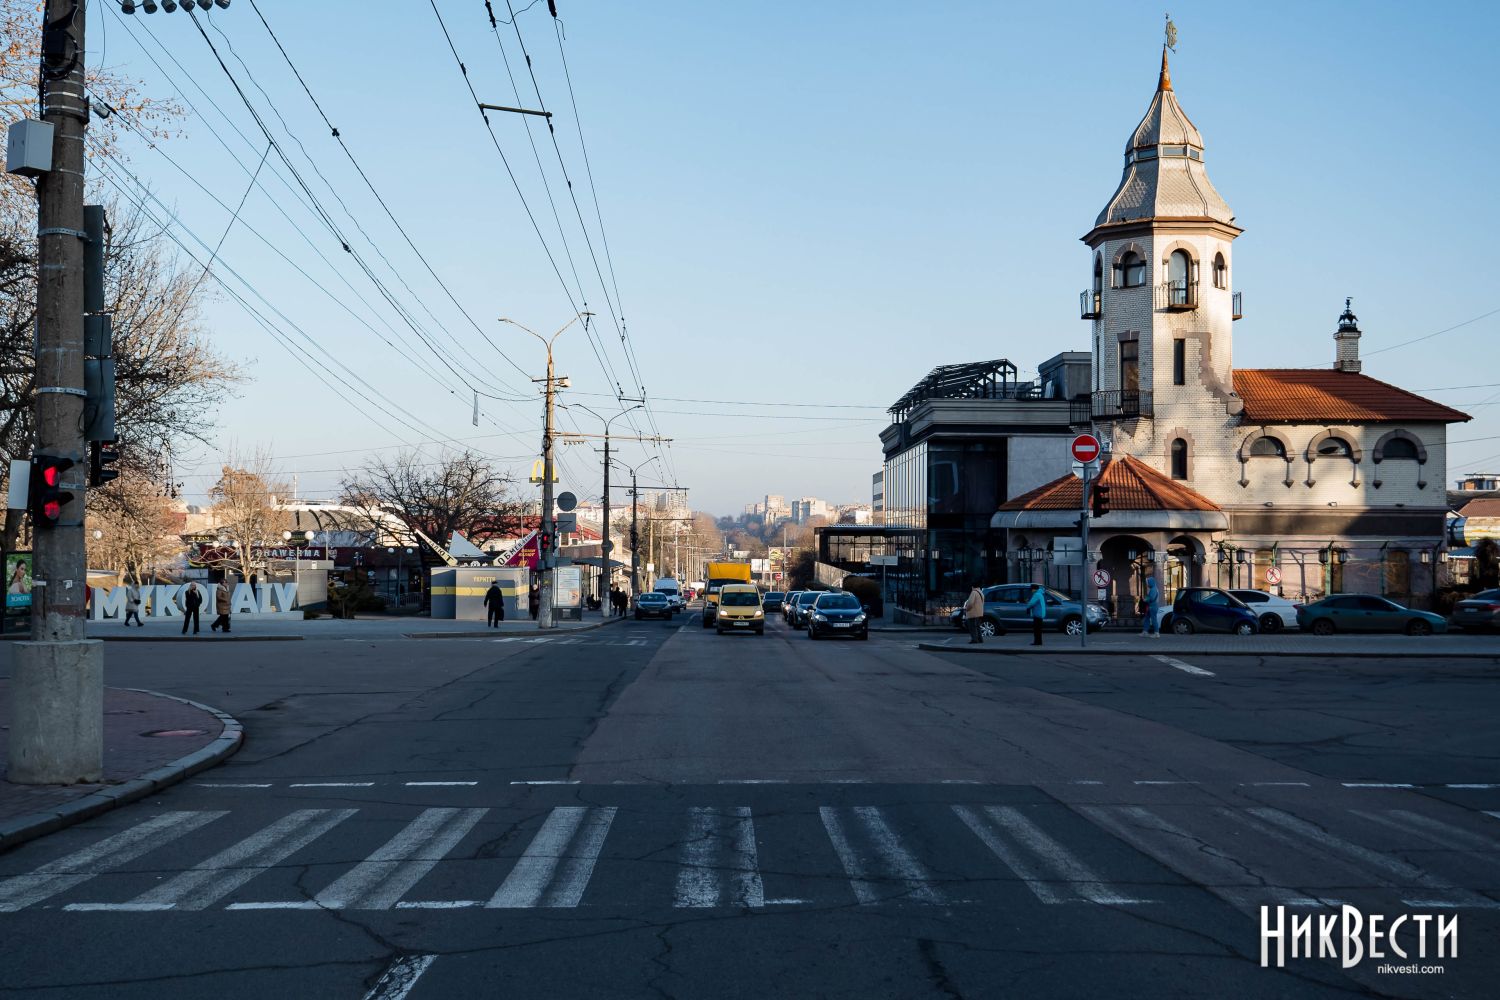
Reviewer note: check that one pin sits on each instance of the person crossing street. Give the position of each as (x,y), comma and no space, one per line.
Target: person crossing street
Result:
(974,615)
(1037,605)
(494,603)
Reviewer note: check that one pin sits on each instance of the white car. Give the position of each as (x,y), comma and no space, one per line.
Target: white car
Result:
(1275,613)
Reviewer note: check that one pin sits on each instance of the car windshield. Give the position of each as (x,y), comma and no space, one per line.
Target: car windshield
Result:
(838,602)
(652,597)
(774,595)
(738,599)
(807,597)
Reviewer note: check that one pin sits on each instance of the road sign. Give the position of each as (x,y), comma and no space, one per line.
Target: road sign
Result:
(1101,578)
(1273,576)
(1085,448)
(884,560)
(609,546)
(567,524)
(566,501)
(1079,468)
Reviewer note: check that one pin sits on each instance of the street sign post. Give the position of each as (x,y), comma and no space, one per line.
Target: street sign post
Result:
(1085,448)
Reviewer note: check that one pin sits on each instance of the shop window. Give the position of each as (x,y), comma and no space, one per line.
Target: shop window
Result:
(1179,458)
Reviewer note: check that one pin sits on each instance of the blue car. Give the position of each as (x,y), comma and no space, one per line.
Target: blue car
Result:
(1208,609)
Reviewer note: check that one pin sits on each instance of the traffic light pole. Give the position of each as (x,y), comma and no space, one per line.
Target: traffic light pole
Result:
(1088,574)
(57,685)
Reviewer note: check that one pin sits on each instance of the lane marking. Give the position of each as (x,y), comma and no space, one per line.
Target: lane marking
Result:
(544,782)
(1160,782)
(1276,784)
(871,877)
(1473,785)
(400,977)
(558,862)
(229,784)
(1077,880)
(288,904)
(74,869)
(211,880)
(332,784)
(439,784)
(1377,784)
(753,781)
(117,907)
(379,882)
(438,904)
(1493,812)
(1177,664)
(719,862)
(1433,831)
(1085,782)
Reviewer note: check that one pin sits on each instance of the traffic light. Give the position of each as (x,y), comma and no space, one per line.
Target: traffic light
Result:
(544,542)
(101,457)
(48,498)
(1101,500)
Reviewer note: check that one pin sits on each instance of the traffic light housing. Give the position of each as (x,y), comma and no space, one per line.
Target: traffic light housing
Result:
(1101,500)
(48,498)
(101,456)
(544,542)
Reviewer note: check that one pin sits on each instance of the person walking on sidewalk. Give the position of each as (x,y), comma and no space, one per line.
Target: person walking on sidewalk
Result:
(191,602)
(133,605)
(1037,605)
(494,602)
(221,607)
(1149,605)
(534,601)
(974,615)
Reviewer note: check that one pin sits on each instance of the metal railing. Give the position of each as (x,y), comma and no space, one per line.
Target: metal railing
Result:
(1121,404)
(1236,310)
(1088,305)
(1180,294)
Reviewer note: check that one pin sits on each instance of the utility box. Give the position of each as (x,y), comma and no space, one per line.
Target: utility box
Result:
(458,591)
(28,149)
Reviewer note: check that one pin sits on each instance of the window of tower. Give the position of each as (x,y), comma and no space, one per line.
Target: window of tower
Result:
(1267,447)
(1179,458)
(1098,273)
(1221,271)
(1131,270)
(1179,362)
(1399,448)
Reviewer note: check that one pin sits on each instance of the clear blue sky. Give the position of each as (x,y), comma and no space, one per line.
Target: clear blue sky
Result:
(807,203)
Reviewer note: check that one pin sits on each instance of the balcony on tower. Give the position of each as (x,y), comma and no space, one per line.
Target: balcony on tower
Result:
(1088,305)
(1179,295)
(1121,404)
(1236,310)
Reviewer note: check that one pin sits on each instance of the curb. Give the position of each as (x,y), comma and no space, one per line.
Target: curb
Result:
(23,828)
(199,638)
(495,633)
(934,647)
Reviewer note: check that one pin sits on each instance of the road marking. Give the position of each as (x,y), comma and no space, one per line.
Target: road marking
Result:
(229,784)
(211,880)
(380,881)
(1085,782)
(870,877)
(332,784)
(438,904)
(1474,785)
(753,781)
(1161,782)
(557,864)
(1276,784)
(117,907)
(719,862)
(1377,784)
(1434,831)
(1071,880)
(74,869)
(544,782)
(400,977)
(1492,812)
(285,904)
(439,784)
(1186,668)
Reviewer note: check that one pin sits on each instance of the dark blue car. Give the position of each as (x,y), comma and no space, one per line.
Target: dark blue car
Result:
(1207,609)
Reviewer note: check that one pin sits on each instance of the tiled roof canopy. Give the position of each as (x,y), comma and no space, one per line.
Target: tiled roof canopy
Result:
(1328,396)
(1481,507)
(1133,485)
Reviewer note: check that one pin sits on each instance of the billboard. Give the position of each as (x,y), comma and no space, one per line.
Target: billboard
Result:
(17,580)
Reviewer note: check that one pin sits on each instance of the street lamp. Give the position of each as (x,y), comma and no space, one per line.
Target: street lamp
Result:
(635,580)
(605,576)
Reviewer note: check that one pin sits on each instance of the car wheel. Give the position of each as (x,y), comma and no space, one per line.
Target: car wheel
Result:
(1073,625)
(1270,622)
(989,628)
(1419,626)
(1244,628)
(1181,626)
(1322,627)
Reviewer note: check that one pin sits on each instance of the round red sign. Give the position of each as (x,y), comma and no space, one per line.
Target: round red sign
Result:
(1085,448)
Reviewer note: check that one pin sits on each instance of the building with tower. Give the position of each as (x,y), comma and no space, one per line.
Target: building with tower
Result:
(1307,481)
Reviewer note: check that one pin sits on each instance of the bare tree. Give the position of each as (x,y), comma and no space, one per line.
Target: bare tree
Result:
(245,509)
(140,531)
(458,492)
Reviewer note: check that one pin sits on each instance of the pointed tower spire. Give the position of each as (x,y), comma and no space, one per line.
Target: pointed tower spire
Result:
(1164,82)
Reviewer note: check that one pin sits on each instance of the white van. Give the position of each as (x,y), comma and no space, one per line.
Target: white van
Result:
(673,591)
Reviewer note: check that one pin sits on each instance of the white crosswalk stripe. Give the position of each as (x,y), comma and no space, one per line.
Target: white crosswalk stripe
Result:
(719,860)
(111,852)
(1052,872)
(558,863)
(888,869)
(380,881)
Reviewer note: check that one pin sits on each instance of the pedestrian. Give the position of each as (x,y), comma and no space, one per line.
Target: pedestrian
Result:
(133,605)
(534,601)
(621,602)
(974,615)
(1149,605)
(221,607)
(494,602)
(1037,605)
(191,602)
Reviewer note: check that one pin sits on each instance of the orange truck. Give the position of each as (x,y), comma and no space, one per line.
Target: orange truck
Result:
(718,575)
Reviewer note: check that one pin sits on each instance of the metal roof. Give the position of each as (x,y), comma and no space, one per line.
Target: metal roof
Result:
(971,380)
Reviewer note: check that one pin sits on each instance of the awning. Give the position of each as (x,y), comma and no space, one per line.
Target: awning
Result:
(596,561)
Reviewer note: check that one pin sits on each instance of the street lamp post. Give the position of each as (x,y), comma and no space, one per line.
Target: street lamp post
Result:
(635,578)
(604,574)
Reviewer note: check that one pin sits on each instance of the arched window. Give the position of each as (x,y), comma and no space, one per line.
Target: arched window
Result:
(1180,290)
(1267,447)
(1221,271)
(1399,448)
(1179,459)
(1334,448)
(1098,274)
(1130,272)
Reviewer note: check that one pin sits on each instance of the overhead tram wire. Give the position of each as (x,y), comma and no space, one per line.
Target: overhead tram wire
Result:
(369,184)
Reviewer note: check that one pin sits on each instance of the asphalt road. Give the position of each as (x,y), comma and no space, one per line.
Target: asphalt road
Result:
(652,810)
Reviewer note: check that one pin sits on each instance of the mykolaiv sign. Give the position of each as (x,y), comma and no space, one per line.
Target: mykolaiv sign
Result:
(165,600)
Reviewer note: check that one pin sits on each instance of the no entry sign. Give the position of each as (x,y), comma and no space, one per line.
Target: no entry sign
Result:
(1085,448)
(1101,578)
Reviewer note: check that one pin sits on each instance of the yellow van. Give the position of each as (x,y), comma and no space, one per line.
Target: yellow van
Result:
(740,610)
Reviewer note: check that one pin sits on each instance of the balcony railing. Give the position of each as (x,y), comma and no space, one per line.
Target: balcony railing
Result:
(1121,404)
(1079,412)
(1180,295)
(1088,305)
(1236,310)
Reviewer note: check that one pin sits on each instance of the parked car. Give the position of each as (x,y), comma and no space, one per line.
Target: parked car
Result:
(673,591)
(1208,609)
(1480,613)
(772,600)
(1005,608)
(653,604)
(1366,613)
(1272,611)
(740,610)
(837,614)
(788,602)
(803,607)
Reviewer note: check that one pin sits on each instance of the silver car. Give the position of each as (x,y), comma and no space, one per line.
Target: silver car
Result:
(1480,613)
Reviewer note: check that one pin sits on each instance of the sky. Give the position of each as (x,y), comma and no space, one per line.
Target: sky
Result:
(805,207)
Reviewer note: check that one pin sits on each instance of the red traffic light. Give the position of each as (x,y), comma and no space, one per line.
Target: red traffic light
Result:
(51,474)
(48,498)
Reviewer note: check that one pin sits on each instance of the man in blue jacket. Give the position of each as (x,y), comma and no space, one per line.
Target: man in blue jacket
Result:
(1037,605)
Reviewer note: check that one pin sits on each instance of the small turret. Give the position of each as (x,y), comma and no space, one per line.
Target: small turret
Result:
(1346,340)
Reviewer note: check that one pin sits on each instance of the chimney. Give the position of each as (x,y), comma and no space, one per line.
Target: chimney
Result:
(1346,341)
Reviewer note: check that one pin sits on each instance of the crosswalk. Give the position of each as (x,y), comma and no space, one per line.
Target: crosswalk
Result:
(381,857)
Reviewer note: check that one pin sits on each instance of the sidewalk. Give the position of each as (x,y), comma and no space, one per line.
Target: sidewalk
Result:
(1449,646)
(150,741)
(252,628)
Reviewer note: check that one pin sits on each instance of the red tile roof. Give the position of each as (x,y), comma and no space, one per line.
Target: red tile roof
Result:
(1481,507)
(1133,485)
(1329,396)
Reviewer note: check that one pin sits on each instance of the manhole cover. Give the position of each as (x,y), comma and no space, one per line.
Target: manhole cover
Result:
(175,732)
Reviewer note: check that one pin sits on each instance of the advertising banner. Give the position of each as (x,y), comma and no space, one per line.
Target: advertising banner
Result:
(17,580)
(569,583)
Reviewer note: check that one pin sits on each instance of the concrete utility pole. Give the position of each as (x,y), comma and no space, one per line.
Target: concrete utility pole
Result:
(547,554)
(57,688)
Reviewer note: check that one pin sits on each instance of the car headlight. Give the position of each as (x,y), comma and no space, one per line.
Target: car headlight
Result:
(859,618)
(759,613)
(819,617)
